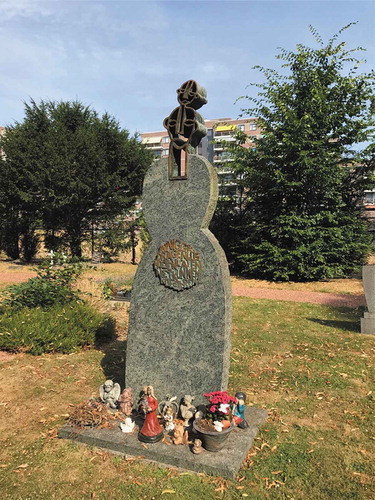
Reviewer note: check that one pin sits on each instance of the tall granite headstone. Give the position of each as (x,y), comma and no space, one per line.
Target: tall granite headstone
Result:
(180,313)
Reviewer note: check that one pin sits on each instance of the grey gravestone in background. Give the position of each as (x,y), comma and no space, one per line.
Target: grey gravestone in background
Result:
(180,313)
(368,280)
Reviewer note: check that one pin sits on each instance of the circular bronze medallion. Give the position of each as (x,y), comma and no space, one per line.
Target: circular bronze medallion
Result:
(177,265)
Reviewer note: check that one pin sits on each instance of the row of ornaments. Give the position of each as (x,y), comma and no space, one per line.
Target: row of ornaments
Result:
(151,431)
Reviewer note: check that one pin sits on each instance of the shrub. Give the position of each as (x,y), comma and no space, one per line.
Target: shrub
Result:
(51,286)
(62,328)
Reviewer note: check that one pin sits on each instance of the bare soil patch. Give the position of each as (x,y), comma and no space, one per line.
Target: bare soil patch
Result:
(329,299)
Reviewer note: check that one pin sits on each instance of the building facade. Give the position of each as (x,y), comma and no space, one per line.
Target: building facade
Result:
(219,129)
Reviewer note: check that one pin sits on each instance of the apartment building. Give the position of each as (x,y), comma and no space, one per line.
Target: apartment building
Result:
(219,129)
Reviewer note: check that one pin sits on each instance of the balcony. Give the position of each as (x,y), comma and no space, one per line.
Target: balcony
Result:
(225,136)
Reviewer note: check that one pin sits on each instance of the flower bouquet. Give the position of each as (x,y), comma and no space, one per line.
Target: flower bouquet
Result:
(216,423)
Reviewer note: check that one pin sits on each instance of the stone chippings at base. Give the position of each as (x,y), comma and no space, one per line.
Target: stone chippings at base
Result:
(226,462)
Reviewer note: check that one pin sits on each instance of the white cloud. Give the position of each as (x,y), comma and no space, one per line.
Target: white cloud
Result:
(11,9)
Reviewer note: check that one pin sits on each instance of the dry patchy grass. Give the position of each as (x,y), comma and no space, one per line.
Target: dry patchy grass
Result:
(313,376)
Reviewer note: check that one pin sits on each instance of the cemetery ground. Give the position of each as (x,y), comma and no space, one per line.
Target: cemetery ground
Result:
(307,364)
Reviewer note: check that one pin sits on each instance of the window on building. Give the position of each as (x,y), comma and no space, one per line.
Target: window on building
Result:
(165,152)
(241,127)
(370,198)
(165,139)
(252,126)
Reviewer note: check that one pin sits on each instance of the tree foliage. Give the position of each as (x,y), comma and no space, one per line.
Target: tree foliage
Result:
(64,168)
(306,176)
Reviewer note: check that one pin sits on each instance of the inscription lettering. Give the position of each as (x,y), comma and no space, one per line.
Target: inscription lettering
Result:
(177,265)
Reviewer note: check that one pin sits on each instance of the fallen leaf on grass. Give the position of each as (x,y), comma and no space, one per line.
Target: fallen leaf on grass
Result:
(132,459)
(22,466)
(3,465)
(274,484)
(363,478)
(310,451)
(144,446)
(241,479)
(276,472)
(221,488)
(167,491)
(240,487)
(52,433)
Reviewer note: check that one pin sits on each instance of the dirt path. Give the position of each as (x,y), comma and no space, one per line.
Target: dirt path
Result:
(8,277)
(329,299)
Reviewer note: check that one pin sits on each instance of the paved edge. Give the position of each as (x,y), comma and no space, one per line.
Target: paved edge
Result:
(225,463)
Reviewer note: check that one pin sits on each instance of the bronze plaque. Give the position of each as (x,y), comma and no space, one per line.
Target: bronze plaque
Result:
(177,265)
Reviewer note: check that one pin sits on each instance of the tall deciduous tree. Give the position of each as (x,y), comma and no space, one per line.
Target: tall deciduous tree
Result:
(68,168)
(306,176)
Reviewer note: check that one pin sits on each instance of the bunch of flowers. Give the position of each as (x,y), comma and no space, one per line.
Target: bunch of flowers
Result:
(220,405)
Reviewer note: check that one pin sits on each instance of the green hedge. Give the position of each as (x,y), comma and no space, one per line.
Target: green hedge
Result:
(61,328)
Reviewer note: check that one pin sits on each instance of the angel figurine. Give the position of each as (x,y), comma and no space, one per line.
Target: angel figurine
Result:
(168,402)
(187,409)
(127,426)
(109,393)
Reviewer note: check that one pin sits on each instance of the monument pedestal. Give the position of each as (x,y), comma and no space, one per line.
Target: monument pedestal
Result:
(225,463)
(368,323)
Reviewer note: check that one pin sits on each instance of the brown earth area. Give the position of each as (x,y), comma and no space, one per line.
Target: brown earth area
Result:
(240,288)
(9,277)
(329,299)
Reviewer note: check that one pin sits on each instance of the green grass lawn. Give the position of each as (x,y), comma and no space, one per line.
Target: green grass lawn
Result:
(307,364)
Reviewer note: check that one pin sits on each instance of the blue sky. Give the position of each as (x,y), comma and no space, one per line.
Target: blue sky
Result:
(128,58)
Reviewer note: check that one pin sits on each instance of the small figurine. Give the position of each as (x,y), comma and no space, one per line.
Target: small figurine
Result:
(143,404)
(151,431)
(168,419)
(239,412)
(168,402)
(197,447)
(126,401)
(180,436)
(128,426)
(109,393)
(187,409)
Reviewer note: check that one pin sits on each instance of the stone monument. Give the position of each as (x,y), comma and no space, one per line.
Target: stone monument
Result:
(180,312)
(368,280)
